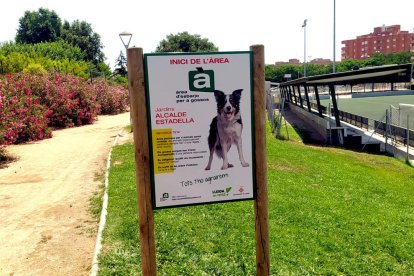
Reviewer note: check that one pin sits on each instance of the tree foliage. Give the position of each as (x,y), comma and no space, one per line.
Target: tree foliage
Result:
(185,42)
(53,50)
(56,56)
(276,73)
(121,65)
(39,26)
(76,41)
(81,34)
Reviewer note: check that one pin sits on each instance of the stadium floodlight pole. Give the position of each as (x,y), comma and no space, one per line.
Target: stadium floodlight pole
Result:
(334,35)
(304,47)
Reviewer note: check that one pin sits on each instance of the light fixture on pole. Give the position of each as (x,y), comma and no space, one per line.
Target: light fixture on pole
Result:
(334,34)
(304,47)
(124,36)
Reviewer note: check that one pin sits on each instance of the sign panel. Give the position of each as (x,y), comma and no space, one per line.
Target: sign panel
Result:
(201,127)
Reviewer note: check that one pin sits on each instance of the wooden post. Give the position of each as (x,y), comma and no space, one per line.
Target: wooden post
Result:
(261,202)
(136,82)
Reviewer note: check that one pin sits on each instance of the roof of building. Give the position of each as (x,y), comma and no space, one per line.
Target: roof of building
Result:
(378,74)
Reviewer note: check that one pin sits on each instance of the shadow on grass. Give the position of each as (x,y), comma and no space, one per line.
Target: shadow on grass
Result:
(306,136)
(300,134)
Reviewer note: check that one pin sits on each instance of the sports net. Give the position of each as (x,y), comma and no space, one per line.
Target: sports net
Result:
(399,115)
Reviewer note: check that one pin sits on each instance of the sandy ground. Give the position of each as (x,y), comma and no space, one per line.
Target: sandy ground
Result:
(45,227)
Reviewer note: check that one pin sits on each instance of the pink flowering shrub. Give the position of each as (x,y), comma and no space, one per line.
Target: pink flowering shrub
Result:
(22,117)
(31,103)
(113,99)
(72,100)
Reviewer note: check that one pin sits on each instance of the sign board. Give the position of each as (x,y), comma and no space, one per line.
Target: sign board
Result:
(200,108)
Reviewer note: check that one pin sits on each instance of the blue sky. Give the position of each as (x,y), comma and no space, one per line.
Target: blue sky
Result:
(231,25)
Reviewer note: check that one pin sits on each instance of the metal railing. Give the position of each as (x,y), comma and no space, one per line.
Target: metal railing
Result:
(397,132)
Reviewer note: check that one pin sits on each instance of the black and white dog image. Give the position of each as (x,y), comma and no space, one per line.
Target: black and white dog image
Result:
(226,128)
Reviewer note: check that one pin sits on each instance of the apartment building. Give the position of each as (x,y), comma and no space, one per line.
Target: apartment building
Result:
(384,39)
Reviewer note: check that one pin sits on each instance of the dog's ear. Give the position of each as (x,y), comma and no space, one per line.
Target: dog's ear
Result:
(218,94)
(237,94)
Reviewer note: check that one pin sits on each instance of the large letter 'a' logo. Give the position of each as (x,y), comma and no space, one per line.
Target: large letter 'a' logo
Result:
(201,80)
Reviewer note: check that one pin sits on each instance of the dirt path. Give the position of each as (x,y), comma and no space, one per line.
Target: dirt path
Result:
(45,227)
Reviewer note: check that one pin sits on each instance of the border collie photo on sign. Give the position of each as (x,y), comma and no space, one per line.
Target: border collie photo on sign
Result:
(226,128)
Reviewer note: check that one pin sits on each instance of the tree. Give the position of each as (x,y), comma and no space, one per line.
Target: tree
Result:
(349,65)
(399,58)
(54,50)
(81,34)
(40,26)
(120,65)
(185,42)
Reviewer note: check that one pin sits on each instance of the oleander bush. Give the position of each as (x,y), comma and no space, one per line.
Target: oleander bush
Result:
(71,100)
(22,116)
(113,99)
(33,104)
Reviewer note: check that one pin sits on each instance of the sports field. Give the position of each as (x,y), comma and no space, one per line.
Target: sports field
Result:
(373,107)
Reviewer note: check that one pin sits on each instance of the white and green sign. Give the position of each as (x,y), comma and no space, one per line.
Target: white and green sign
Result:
(201,127)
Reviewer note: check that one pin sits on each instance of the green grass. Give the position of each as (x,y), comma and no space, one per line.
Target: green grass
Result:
(331,212)
(372,107)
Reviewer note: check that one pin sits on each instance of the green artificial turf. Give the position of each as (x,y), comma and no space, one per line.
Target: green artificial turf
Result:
(374,107)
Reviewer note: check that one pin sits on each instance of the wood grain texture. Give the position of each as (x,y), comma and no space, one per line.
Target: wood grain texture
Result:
(136,81)
(261,202)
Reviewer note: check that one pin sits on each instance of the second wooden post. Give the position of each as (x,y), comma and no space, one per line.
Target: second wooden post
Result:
(261,202)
